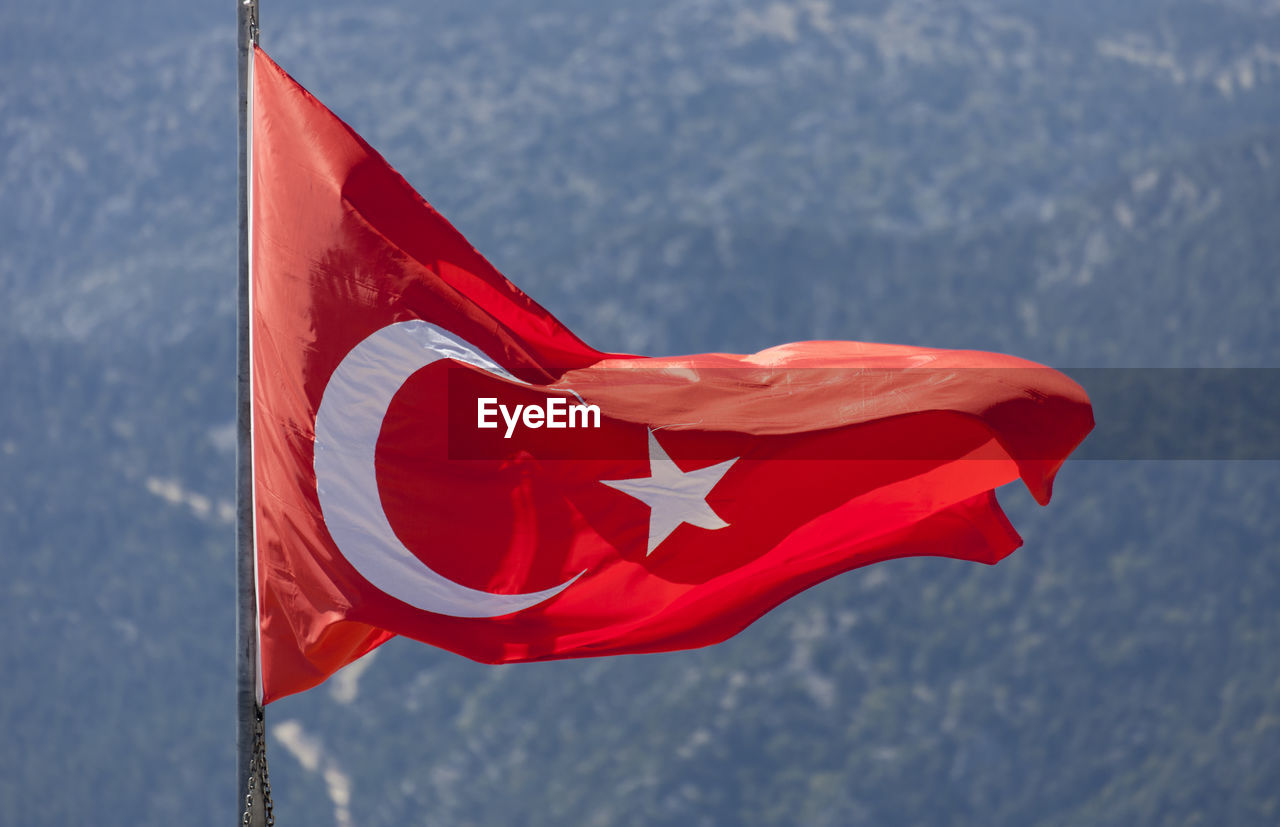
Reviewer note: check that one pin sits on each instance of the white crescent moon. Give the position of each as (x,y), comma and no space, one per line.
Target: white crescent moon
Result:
(347,426)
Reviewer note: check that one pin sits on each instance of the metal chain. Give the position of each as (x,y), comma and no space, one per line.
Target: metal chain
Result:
(256,763)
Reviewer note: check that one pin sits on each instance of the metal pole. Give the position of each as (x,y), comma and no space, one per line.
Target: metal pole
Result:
(248,706)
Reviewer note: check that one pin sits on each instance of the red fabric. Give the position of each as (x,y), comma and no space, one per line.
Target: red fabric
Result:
(846,453)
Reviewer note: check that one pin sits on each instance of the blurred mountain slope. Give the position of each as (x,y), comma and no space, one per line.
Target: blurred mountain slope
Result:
(1079,184)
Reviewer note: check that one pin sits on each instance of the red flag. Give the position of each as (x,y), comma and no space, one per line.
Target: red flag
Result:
(436,456)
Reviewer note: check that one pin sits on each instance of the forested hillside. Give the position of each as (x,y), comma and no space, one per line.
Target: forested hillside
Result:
(1084,184)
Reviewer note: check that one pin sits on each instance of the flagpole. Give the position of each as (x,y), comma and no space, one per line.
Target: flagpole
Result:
(251,778)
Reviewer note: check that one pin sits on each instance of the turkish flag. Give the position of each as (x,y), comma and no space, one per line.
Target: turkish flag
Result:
(436,456)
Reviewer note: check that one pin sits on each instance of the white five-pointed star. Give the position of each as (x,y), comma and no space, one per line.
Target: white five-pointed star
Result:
(674,496)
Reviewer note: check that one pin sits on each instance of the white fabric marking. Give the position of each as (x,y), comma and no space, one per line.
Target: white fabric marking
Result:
(347,426)
(674,496)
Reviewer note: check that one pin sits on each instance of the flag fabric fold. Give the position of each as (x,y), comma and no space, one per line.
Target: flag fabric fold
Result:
(436,456)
